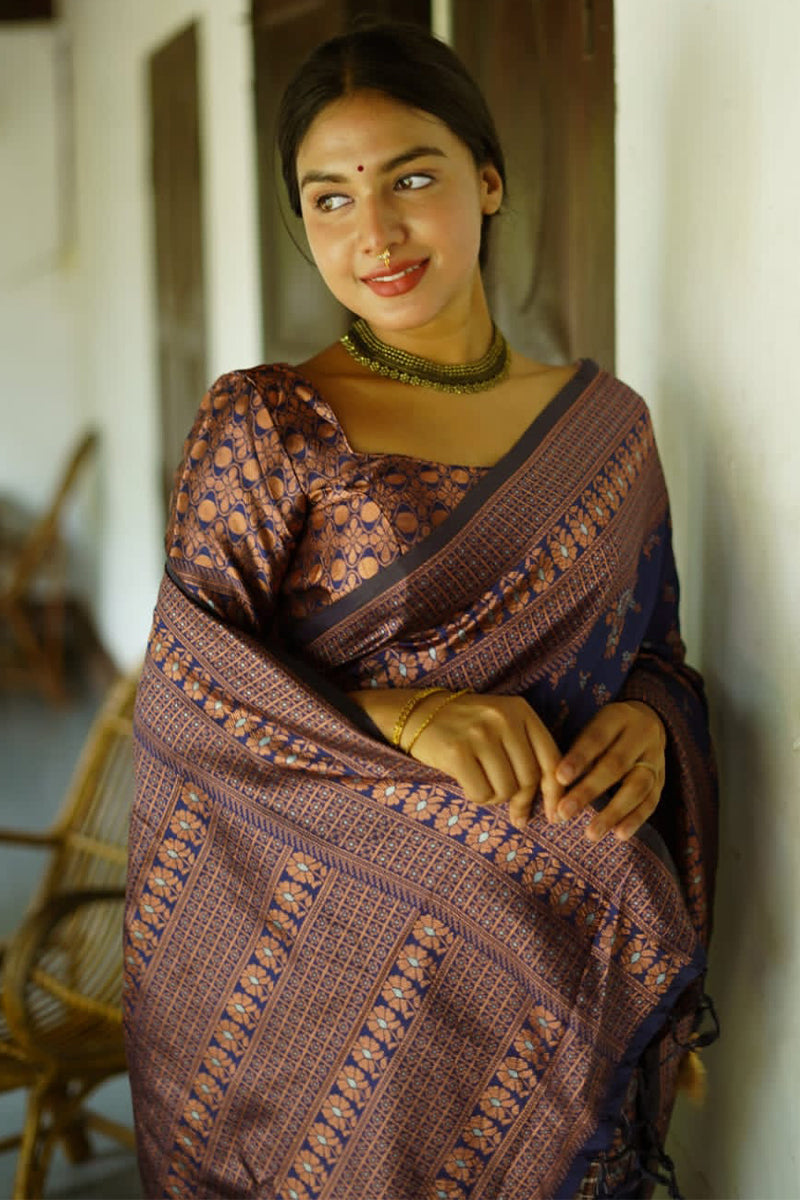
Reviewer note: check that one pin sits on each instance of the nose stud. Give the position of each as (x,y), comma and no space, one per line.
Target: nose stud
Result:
(386,256)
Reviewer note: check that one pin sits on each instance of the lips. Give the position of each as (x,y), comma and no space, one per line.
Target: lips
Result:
(402,277)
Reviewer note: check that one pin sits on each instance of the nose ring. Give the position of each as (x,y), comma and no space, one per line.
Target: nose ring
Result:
(386,256)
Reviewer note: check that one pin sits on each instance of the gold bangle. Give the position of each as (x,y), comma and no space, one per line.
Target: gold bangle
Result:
(430,716)
(408,708)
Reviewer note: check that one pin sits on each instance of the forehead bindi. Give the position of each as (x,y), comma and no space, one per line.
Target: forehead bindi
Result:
(358,133)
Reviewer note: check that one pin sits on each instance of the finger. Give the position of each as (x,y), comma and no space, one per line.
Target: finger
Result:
(471,777)
(512,772)
(548,757)
(522,755)
(634,803)
(498,770)
(603,729)
(523,758)
(612,767)
(639,787)
(520,807)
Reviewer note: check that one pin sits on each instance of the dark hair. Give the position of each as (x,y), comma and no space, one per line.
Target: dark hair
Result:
(403,62)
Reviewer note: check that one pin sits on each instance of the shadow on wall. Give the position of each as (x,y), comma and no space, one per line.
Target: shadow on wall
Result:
(708,240)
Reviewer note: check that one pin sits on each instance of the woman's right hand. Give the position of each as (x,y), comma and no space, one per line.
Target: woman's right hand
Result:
(495,747)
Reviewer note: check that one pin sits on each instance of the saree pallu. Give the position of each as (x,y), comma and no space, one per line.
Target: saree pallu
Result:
(343,979)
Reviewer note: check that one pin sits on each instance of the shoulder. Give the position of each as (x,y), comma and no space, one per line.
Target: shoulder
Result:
(607,414)
(550,375)
(619,395)
(586,394)
(265,385)
(583,378)
(267,396)
(241,442)
(271,411)
(634,460)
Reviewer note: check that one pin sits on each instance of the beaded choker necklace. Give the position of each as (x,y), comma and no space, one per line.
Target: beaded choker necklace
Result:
(478,376)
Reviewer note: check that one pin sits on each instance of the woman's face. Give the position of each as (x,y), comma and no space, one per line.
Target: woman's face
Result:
(373,174)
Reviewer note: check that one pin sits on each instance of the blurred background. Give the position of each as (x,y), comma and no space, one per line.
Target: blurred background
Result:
(652,224)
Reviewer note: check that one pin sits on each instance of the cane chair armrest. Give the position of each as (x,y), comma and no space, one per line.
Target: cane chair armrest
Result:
(29,837)
(26,947)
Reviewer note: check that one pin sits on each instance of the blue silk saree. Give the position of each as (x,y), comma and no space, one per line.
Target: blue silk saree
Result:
(344,980)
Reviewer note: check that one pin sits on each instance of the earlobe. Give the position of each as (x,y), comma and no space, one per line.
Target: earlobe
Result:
(491,189)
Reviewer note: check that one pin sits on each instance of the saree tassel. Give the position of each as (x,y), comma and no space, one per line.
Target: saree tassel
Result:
(692,1077)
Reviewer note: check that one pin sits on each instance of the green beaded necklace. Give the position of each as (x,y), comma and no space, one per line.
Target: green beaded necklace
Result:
(477,376)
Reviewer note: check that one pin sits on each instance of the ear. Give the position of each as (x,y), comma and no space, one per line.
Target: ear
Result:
(491,189)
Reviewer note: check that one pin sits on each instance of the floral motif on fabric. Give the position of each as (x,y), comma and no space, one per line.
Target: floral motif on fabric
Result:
(554,883)
(292,900)
(511,1088)
(265,738)
(625,604)
(175,856)
(354,531)
(401,997)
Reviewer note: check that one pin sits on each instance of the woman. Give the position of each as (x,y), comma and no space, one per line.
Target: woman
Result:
(422,855)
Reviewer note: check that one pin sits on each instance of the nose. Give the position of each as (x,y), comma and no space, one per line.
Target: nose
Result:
(379,225)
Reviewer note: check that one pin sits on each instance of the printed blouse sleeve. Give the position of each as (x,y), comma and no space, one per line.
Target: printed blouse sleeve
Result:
(237,508)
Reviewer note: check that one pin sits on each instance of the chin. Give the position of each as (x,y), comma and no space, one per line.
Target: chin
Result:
(400,317)
(396,321)
(417,309)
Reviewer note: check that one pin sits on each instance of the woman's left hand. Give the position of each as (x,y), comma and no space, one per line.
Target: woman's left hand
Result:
(623,744)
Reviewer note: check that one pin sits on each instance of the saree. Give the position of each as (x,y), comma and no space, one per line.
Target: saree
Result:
(343,979)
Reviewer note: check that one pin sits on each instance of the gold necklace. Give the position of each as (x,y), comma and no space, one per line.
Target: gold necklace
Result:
(477,376)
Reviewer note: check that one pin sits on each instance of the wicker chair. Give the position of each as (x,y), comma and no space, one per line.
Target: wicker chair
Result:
(32,568)
(61,1024)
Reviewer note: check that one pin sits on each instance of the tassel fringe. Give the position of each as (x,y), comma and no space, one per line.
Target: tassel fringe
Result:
(692,1077)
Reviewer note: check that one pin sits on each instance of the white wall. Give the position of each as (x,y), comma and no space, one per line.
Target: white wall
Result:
(708,224)
(111,44)
(41,406)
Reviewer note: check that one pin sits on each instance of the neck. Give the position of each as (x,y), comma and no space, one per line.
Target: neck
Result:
(476,373)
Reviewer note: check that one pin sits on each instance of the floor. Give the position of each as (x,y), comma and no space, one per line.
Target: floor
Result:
(39,746)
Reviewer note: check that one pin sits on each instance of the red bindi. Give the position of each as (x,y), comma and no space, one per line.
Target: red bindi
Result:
(360,167)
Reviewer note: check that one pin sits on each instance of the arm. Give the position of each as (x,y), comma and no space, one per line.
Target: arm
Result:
(237,508)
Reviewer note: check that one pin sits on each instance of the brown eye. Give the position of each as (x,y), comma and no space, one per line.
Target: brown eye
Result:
(330,202)
(410,183)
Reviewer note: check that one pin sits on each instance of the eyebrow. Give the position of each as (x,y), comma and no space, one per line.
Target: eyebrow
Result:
(391,164)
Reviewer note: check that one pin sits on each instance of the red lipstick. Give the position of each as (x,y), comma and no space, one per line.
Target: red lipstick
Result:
(401,277)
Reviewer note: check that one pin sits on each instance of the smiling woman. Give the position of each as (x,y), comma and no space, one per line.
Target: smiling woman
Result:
(417,718)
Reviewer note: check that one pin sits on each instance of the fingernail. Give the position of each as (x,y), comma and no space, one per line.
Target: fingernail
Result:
(568,809)
(565,773)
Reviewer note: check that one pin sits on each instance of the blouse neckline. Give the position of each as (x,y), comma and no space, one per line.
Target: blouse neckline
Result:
(391,455)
